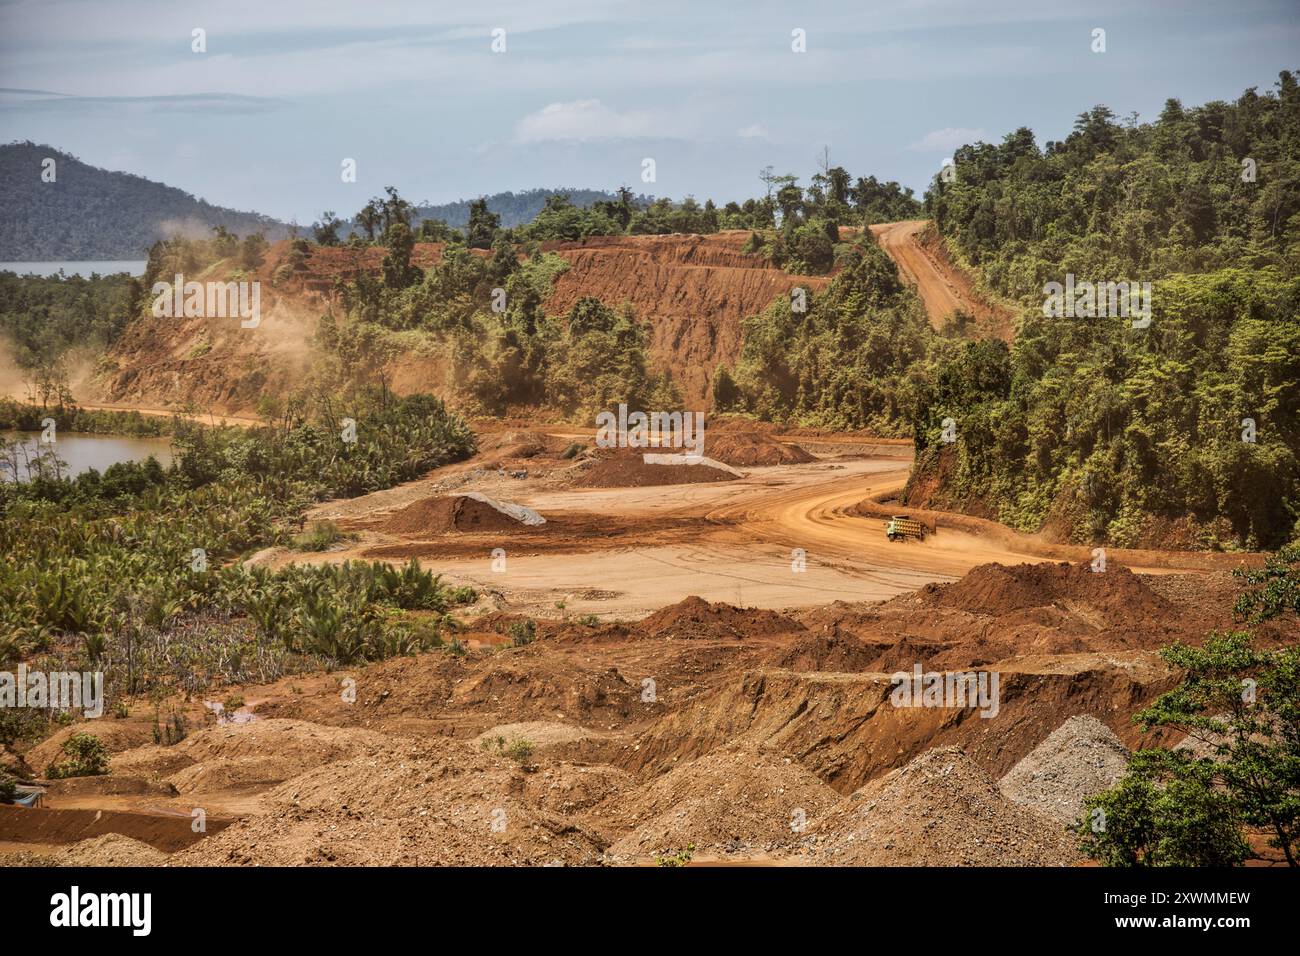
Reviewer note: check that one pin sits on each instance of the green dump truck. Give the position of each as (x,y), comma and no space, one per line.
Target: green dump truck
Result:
(901,526)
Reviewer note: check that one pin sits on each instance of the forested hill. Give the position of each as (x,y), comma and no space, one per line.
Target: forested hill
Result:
(1198,189)
(1181,431)
(92,213)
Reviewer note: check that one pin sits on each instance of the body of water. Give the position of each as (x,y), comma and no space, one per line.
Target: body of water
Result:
(104,267)
(83,452)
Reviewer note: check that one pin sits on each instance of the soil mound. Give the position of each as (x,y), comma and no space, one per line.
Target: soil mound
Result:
(434,802)
(116,735)
(939,810)
(1080,758)
(1116,594)
(534,739)
(752,449)
(111,849)
(445,515)
(526,444)
(829,651)
(573,788)
(626,469)
(694,618)
(732,801)
(246,755)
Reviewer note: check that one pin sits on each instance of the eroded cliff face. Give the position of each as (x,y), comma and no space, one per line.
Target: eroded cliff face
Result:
(692,291)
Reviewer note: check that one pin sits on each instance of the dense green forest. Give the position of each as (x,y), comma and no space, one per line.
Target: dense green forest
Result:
(1185,430)
(135,567)
(41,317)
(1114,432)
(856,358)
(91,213)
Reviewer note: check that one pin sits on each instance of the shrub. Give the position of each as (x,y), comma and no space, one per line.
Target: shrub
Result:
(86,757)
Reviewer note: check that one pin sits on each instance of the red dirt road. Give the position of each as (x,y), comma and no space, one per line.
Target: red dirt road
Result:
(942,287)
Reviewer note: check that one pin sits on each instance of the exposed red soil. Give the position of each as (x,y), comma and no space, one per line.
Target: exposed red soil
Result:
(754,714)
(421,803)
(694,291)
(831,650)
(733,801)
(751,449)
(443,515)
(166,832)
(1116,594)
(924,263)
(695,618)
(625,468)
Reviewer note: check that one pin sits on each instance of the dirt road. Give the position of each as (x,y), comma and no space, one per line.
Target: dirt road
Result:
(942,286)
(782,536)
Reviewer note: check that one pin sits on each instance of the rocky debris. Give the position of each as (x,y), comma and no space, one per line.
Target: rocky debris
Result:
(729,801)
(938,810)
(420,803)
(111,849)
(1079,759)
(569,788)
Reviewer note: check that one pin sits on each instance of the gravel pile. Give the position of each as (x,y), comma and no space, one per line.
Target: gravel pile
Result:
(938,810)
(1080,758)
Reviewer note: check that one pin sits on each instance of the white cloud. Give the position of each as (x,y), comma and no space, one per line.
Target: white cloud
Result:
(584,121)
(947,139)
(753,131)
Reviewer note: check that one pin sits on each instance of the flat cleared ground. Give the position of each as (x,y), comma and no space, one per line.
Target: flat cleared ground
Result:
(623,552)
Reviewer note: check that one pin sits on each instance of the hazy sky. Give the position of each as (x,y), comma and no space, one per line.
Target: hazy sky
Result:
(585,90)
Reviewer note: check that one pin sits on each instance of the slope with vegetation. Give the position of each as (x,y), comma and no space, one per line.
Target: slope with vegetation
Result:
(1090,427)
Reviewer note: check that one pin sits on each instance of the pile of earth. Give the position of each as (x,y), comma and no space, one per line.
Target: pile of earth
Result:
(533,740)
(1116,594)
(625,468)
(449,514)
(729,801)
(115,735)
(572,788)
(995,612)
(1078,760)
(429,802)
(109,849)
(938,810)
(245,755)
(753,449)
(831,650)
(522,444)
(694,618)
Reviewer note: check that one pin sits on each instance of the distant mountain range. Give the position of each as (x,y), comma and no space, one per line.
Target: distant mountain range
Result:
(90,213)
(515,209)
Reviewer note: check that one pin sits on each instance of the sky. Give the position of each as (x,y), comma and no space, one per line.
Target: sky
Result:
(585,90)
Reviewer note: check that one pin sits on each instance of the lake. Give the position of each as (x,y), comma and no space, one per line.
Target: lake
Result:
(104,267)
(83,452)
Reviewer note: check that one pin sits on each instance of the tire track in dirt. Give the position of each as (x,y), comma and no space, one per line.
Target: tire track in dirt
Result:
(943,288)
